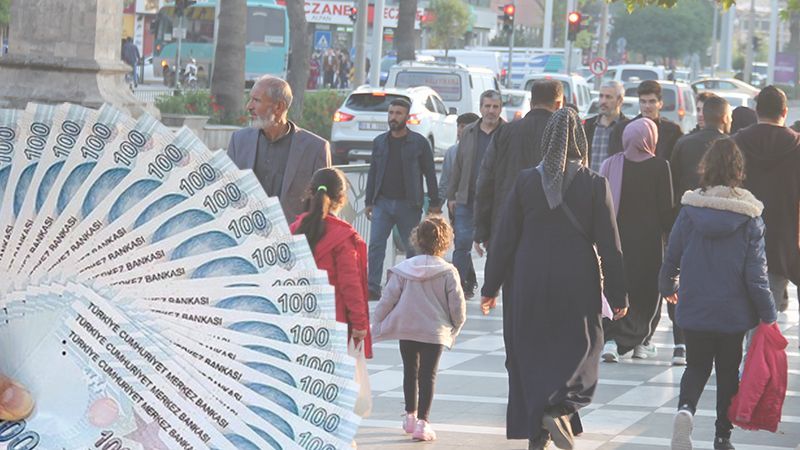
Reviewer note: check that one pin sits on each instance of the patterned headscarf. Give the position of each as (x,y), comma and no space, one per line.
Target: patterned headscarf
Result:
(563,140)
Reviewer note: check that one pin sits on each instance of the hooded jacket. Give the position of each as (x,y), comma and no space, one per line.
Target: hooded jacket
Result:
(343,254)
(717,248)
(759,402)
(772,165)
(422,302)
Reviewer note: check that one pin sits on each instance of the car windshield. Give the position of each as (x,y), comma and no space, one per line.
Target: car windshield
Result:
(513,100)
(374,102)
(640,74)
(448,85)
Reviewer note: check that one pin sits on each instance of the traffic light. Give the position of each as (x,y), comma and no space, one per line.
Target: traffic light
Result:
(574,23)
(353,14)
(508,16)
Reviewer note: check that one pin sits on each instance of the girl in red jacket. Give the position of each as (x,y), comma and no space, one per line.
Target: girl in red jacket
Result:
(339,250)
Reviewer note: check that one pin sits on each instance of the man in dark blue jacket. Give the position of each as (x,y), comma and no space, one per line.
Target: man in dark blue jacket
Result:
(400,158)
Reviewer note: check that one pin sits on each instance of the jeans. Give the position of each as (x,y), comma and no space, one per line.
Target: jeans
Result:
(387,213)
(464,230)
(724,351)
(135,76)
(420,361)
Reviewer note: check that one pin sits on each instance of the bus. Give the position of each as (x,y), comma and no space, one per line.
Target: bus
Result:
(267,38)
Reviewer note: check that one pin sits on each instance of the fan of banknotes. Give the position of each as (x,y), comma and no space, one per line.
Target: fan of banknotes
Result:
(154,298)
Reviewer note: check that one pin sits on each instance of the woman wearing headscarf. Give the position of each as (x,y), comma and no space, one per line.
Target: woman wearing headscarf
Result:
(544,257)
(641,187)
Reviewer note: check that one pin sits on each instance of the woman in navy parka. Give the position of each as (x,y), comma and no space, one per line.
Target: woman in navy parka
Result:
(715,269)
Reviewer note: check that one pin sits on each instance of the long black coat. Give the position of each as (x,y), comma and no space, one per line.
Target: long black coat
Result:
(551,319)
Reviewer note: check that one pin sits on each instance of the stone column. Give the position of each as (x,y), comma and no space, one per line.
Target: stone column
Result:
(65,51)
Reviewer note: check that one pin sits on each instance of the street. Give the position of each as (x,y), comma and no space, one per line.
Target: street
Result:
(632,410)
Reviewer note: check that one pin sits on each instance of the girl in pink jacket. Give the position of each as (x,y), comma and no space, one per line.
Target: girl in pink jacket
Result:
(423,306)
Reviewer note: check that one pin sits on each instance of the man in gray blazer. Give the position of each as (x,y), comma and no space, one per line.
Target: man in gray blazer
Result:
(282,155)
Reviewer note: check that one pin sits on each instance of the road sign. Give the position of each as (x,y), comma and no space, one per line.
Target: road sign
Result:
(598,66)
(322,40)
(179,33)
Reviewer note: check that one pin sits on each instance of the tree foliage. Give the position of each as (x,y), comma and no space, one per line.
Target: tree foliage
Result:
(5,12)
(632,5)
(689,29)
(452,21)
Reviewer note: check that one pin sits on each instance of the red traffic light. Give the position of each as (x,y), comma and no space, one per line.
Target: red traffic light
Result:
(509,10)
(574,17)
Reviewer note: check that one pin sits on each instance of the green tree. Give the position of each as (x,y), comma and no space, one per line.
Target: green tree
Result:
(452,20)
(688,30)
(5,12)
(632,5)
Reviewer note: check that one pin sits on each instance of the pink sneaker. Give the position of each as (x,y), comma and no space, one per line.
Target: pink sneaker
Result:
(409,421)
(423,431)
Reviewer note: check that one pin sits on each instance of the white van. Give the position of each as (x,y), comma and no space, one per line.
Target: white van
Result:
(632,72)
(459,86)
(576,89)
(472,58)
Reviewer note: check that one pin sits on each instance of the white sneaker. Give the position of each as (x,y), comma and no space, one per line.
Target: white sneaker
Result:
(682,430)
(423,431)
(610,352)
(409,422)
(645,351)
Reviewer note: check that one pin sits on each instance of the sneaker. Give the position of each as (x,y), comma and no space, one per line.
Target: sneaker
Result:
(409,422)
(560,430)
(610,352)
(679,355)
(423,431)
(642,351)
(682,430)
(723,443)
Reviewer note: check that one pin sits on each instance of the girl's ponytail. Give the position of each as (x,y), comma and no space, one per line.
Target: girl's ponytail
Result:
(326,192)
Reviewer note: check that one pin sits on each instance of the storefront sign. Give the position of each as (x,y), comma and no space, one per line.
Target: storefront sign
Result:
(786,68)
(338,13)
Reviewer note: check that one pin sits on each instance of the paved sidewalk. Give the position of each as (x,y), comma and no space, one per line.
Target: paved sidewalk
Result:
(632,410)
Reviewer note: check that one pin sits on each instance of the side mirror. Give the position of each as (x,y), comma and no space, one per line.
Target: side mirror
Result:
(452,110)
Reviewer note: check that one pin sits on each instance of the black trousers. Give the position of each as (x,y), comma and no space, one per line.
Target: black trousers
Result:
(677,333)
(420,362)
(724,351)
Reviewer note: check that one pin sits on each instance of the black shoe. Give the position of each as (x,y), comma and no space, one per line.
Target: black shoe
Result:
(539,444)
(374,295)
(560,430)
(723,443)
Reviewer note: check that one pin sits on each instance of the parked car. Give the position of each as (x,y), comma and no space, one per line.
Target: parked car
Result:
(363,116)
(516,103)
(576,89)
(721,85)
(632,72)
(459,86)
(678,98)
(737,99)
(630,107)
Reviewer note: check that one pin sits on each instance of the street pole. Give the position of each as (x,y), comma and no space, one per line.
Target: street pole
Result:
(547,38)
(360,42)
(216,38)
(567,42)
(377,44)
(511,46)
(178,54)
(773,42)
(602,41)
(714,43)
(751,24)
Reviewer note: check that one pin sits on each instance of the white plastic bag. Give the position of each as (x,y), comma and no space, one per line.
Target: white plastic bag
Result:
(363,405)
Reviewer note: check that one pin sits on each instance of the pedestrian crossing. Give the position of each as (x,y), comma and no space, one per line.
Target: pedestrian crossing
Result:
(632,409)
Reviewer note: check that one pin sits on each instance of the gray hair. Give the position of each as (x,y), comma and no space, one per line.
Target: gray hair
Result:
(616,85)
(276,89)
(490,94)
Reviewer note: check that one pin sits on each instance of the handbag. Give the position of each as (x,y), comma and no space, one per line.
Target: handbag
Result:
(606,308)
(363,405)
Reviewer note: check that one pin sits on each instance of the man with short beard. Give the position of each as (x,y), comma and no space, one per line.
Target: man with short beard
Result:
(598,128)
(282,155)
(394,196)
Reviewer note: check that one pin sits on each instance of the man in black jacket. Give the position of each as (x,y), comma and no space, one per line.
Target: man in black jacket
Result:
(598,128)
(650,104)
(514,147)
(689,149)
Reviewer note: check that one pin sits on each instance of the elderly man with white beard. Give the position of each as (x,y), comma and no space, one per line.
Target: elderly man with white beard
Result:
(282,155)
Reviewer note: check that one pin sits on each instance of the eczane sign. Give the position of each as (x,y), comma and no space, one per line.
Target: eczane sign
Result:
(338,13)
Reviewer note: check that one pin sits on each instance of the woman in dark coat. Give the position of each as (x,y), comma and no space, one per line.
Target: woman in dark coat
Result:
(551,277)
(641,186)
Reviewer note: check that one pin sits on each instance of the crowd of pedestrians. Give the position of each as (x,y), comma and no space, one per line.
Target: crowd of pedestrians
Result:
(588,228)
(330,69)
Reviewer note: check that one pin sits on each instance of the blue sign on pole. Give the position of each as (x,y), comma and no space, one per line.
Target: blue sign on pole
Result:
(322,40)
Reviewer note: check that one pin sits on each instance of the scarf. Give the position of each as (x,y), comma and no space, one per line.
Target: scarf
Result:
(564,141)
(639,141)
